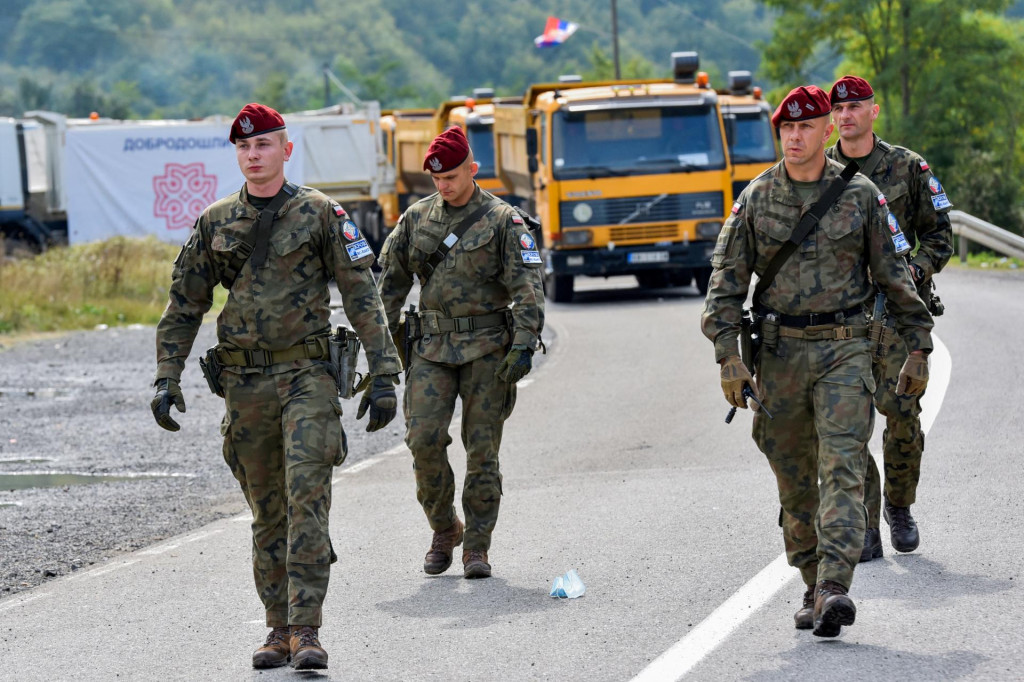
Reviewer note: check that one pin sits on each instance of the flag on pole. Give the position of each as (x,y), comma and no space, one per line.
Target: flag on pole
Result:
(556,32)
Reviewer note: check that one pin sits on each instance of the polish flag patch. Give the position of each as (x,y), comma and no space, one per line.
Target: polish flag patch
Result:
(924,165)
(736,207)
(881,199)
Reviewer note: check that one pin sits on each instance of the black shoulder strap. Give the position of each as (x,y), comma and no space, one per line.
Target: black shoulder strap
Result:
(874,157)
(803,228)
(261,237)
(454,236)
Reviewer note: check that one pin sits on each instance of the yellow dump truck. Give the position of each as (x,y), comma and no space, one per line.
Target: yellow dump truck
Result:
(748,130)
(627,177)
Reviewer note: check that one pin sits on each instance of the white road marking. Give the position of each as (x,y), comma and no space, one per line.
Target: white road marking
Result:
(22,602)
(675,663)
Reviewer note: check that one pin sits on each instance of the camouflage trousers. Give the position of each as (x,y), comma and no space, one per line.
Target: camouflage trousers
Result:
(820,395)
(902,440)
(282,438)
(429,402)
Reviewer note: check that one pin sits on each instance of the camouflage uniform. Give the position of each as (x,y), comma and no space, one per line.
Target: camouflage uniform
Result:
(818,388)
(486,271)
(282,429)
(918,201)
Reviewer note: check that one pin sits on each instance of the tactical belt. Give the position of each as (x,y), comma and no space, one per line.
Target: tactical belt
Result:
(313,348)
(814,319)
(432,323)
(830,334)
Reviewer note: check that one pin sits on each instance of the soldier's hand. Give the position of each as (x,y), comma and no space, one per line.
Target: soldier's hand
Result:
(167,392)
(516,365)
(914,375)
(734,377)
(380,399)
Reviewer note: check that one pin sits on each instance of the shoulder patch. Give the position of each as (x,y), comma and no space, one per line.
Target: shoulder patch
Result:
(527,241)
(900,242)
(338,210)
(516,218)
(924,165)
(736,207)
(358,249)
(881,200)
(894,225)
(350,230)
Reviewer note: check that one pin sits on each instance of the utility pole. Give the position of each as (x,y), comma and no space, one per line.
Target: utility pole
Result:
(615,38)
(327,85)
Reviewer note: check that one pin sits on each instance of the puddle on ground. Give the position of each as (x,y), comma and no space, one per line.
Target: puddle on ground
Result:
(9,504)
(35,479)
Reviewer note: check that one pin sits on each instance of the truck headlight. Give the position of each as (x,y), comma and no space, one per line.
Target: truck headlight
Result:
(709,229)
(577,237)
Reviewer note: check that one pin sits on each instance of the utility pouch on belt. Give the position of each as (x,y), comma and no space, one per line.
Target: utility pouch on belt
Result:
(750,339)
(344,346)
(881,331)
(770,331)
(210,366)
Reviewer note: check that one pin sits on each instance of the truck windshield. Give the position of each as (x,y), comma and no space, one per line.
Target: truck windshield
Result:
(637,141)
(750,137)
(481,141)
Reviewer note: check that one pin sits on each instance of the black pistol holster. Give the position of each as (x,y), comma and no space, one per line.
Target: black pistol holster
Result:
(344,346)
(210,366)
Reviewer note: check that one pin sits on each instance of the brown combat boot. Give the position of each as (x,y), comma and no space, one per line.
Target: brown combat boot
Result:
(275,652)
(832,609)
(804,618)
(474,564)
(442,547)
(307,654)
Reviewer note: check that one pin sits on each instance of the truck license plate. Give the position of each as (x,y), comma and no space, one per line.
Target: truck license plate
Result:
(648,257)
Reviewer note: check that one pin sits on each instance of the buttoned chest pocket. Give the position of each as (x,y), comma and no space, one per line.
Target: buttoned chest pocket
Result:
(898,198)
(423,244)
(230,249)
(475,256)
(294,255)
(843,222)
(771,231)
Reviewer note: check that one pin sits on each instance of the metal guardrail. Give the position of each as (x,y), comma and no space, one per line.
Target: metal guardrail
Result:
(971,229)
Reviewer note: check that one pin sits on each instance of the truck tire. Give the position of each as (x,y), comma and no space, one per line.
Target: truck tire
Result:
(559,287)
(703,278)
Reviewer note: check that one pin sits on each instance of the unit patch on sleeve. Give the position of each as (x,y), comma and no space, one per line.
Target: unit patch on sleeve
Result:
(894,225)
(517,219)
(736,207)
(530,256)
(939,200)
(338,210)
(358,249)
(526,240)
(350,230)
(881,199)
(899,240)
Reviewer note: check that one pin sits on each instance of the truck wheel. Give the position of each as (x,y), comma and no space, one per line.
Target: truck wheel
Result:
(703,278)
(559,287)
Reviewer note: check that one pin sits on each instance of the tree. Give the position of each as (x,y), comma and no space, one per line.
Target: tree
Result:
(943,74)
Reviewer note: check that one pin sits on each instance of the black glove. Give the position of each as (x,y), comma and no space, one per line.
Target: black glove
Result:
(381,400)
(516,365)
(167,392)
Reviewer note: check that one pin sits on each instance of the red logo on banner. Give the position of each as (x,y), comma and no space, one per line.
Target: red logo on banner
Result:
(182,192)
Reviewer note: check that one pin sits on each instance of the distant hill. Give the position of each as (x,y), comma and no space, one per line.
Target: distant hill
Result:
(193,58)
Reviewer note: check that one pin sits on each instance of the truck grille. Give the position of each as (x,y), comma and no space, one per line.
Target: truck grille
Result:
(654,208)
(644,233)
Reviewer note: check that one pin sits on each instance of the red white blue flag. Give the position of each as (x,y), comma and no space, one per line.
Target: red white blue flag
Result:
(556,32)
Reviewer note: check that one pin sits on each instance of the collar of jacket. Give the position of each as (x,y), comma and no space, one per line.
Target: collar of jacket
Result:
(844,159)
(437,213)
(247,210)
(783,192)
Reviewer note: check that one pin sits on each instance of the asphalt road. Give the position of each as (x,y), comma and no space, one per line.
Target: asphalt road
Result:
(617,463)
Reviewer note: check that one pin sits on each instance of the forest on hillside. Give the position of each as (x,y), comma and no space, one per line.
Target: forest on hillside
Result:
(946,72)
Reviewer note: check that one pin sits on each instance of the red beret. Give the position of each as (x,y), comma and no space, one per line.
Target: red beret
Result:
(850,89)
(255,119)
(807,101)
(447,151)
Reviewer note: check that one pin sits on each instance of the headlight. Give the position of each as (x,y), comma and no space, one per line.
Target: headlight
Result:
(577,237)
(582,212)
(709,230)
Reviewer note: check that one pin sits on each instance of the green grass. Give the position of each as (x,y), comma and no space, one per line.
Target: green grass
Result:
(120,281)
(988,260)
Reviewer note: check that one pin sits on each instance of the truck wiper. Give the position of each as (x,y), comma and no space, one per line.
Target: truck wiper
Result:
(671,163)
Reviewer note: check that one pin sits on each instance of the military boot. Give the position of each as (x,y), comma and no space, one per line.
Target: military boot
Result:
(902,527)
(275,652)
(832,609)
(804,618)
(442,547)
(872,545)
(307,654)
(474,564)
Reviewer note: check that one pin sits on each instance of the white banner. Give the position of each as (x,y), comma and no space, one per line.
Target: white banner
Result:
(140,179)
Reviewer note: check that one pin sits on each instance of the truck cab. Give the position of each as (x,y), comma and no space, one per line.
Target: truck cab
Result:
(748,130)
(627,177)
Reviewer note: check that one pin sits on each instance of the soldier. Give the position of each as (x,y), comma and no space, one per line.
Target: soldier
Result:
(919,202)
(482,312)
(814,367)
(275,246)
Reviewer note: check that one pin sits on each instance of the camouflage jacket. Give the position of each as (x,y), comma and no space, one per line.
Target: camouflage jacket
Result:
(828,272)
(493,266)
(287,300)
(916,198)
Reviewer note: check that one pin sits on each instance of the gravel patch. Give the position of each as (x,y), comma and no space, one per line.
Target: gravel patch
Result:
(79,404)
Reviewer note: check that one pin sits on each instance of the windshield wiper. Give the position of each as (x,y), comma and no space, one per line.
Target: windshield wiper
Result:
(672,164)
(595,171)
(750,158)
